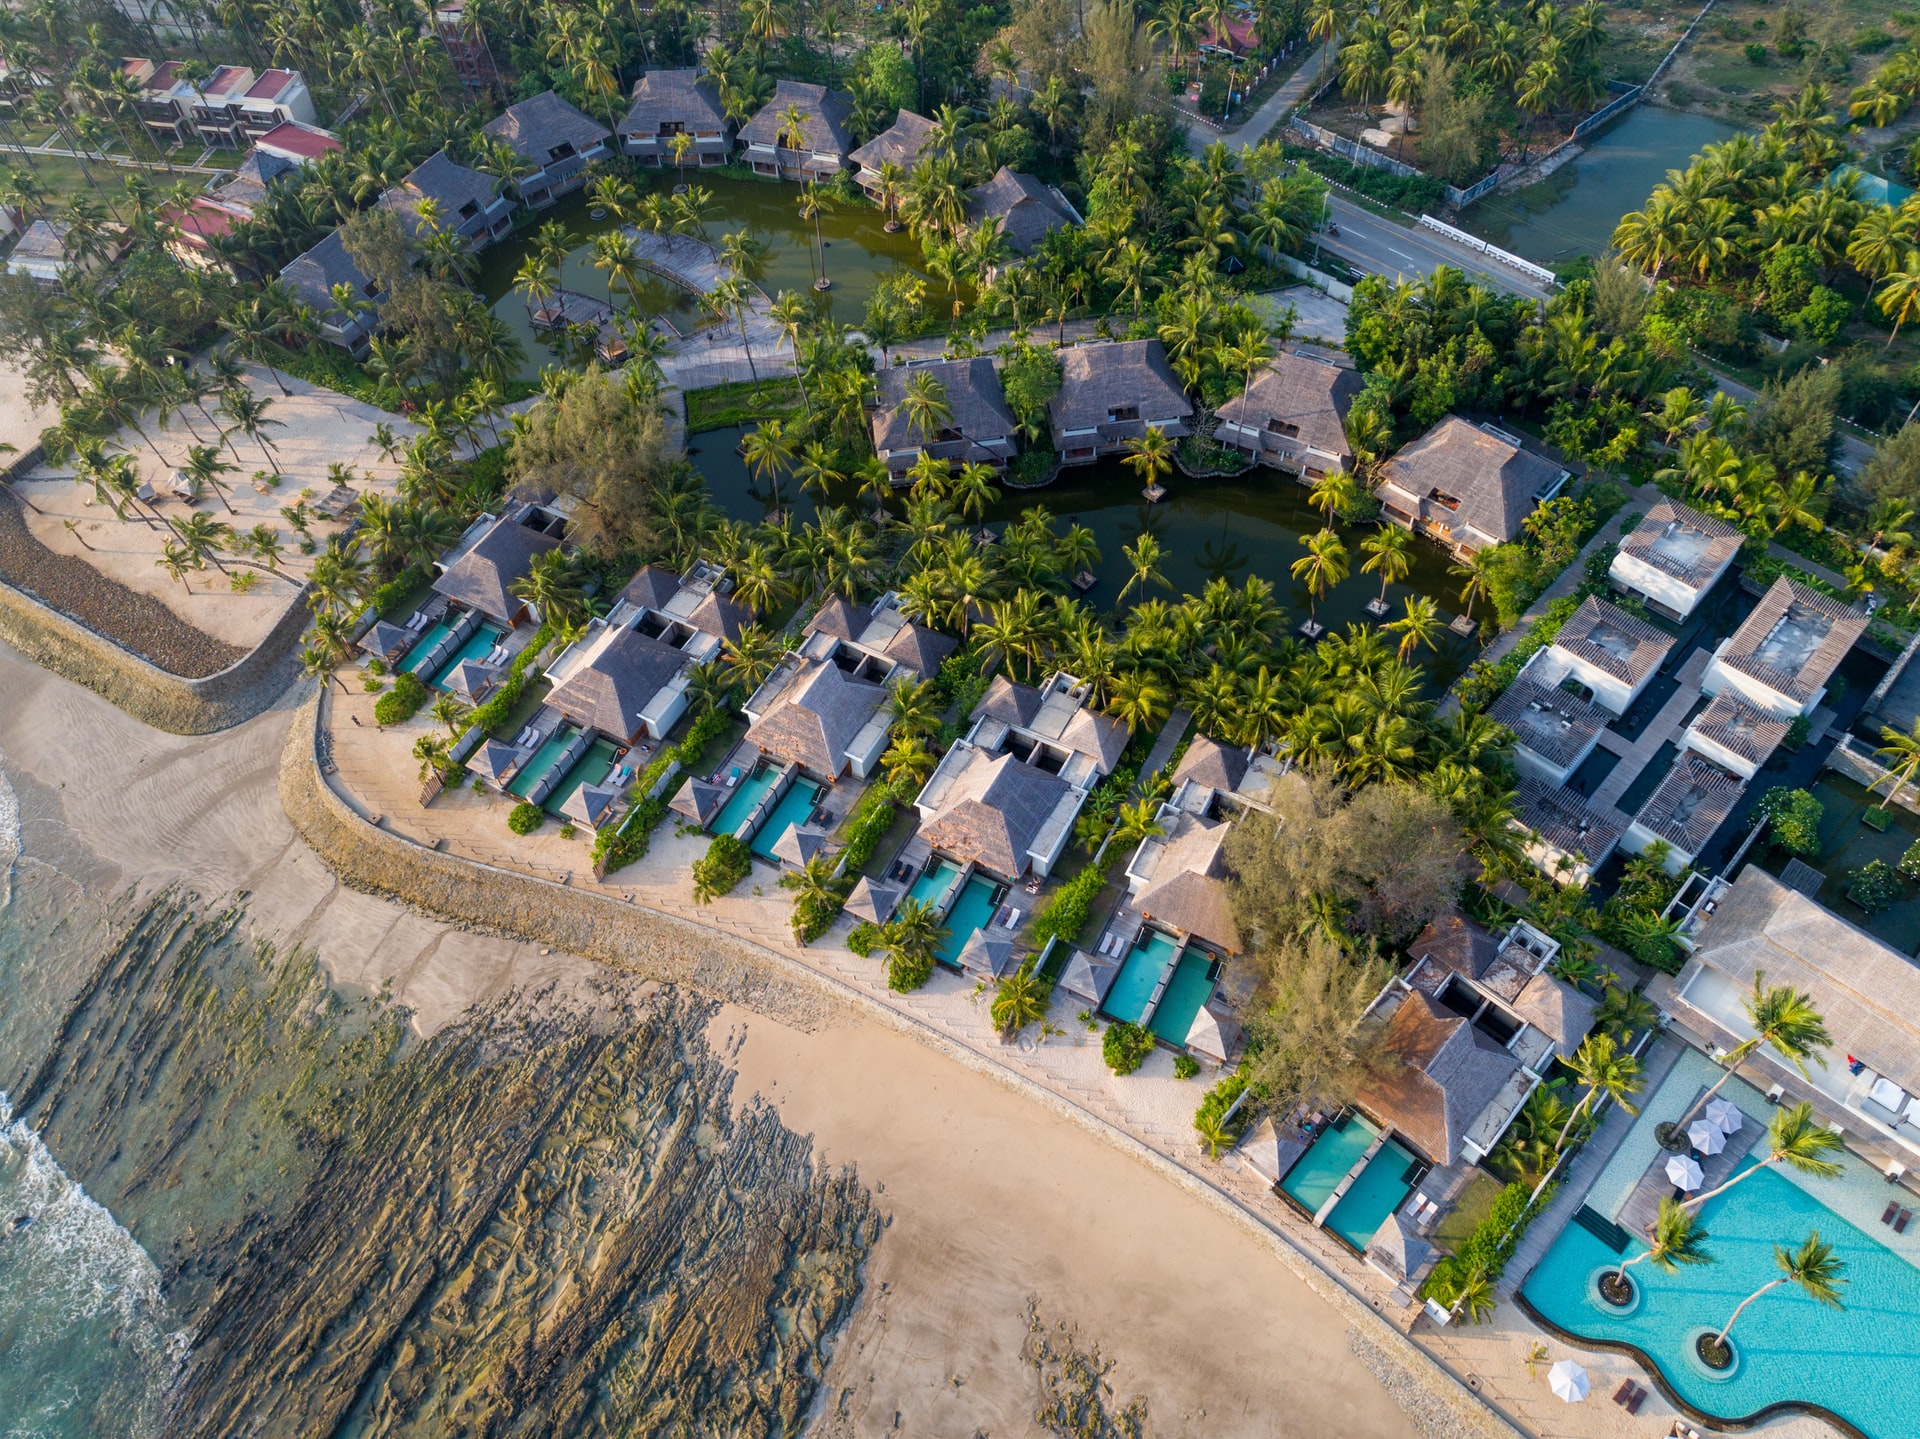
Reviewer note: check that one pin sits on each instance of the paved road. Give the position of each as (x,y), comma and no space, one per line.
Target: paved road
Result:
(1380,247)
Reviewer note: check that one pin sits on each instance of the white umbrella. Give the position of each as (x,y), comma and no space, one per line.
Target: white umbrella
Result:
(1706,1136)
(1725,1114)
(1569,1381)
(1683,1171)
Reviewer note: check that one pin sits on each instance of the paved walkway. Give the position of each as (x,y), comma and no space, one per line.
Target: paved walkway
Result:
(1637,755)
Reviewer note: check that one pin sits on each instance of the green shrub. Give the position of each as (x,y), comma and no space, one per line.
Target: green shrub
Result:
(566,829)
(398,704)
(1185,1066)
(1795,738)
(868,825)
(526,818)
(629,841)
(1876,885)
(1126,1046)
(1910,861)
(1491,1244)
(485,717)
(1065,915)
(376,666)
(726,862)
(1795,818)
(863,938)
(907,972)
(813,916)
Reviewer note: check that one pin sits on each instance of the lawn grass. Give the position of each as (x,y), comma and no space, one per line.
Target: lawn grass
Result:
(532,696)
(1474,1205)
(721,407)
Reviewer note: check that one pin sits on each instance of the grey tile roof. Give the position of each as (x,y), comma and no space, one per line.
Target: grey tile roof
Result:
(494,760)
(666,97)
(1867,991)
(1214,1032)
(590,804)
(1026,209)
(1557,1010)
(1683,543)
(920,649)
(1298,390)
(651,587)
(1448,1073)
(985,956)
(837,617)
(481,578)
(1492,481)
(609,692)
(973,393)
(1456,944)
(1210,763)
(1691,802)
(817,716)
(993,811)
(1567,822)
(43,240)
(386,640)
(1613,641)
(249,187)
(1009,702)
(1399,1249)
(698,800)
(451,186)
(800,844)
(720,616)
(1732,723)
(470,679)
(1094,378)
(537,127)
(902,143)
(1089,976)
(1555,725)
(874,900)
(824,129)
(313,275)
(1794,640)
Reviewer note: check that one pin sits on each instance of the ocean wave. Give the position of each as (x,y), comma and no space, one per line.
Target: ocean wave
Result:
(9,833)
(84,1341)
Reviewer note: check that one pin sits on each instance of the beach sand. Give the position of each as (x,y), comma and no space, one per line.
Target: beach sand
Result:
(992,1197)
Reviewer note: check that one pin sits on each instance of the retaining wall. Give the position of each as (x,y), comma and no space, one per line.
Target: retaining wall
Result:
(145,691)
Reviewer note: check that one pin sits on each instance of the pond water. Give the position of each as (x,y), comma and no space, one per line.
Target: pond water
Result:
(1221,528)
(859,254)
(1574,210)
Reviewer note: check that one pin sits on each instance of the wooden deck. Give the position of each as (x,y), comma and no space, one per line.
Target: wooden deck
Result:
(1642,1208)
(570,307)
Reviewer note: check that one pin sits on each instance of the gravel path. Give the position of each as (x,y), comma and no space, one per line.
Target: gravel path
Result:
(134,621)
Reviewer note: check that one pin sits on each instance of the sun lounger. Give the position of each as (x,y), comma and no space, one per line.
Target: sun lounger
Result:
(1887,1216)
(1900,1224)
(1620,1394)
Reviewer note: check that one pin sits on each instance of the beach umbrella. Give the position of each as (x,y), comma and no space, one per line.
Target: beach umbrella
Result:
(1569,1381)
(1725,1114)
(1685,1172)
(1706,1136)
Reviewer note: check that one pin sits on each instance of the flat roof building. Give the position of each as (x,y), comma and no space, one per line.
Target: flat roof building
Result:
(1606,651)
(1674,556)
(1554,731)
(1781,658)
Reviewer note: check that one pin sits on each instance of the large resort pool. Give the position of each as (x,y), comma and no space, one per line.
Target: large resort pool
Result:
(1369,1196)
(1859,1363)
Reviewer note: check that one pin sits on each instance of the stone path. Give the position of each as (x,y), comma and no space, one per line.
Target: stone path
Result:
(1636,755)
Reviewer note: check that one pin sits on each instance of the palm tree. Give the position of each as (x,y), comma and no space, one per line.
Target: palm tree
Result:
(1137,822)
(1599,1066)
(911,938)
(1389,555)
(249,415)
(205,467)
(1139,700)
(1783,1019)
(1020,1000)
(1150,456)
(768,452)
(1477,573)
(1420,626)
(1902,751)
(1900,300)
(1145,556)
(972,490)
(1795,1139)
(815,469)
(432,752)
(1676,1239)
(812,205)
(751,656)
(1813,1266)
(924,403)
(1322,567)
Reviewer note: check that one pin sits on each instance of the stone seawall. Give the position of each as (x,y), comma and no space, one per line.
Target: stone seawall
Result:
(658,946)
(165,701)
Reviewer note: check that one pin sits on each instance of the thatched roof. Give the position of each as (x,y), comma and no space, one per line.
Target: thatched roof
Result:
(993,811)
(1449,1072)
(873,900)
(902,143)
(1299,390)
(1211,764)
(919,648)
(1558,1010)
(386,640)
(1613,641)
(312,275)
(666,97)
(1089,976)
(537,127)
(1461,475)
(609,692)
(986,957)
(719,616)
(1455,943)
(481,578)
(1794,640)
(591,805)
(470,679)
(823,132)
(973,393)
(650,588)
(494,761)
(1057,717)
(1186,888)
(452,187)
(1683,543)
(698,800)
(1097,378)
(838,617)
(816,717)
(1263,1151)
(800,844)
(1026,209)
(1558,726)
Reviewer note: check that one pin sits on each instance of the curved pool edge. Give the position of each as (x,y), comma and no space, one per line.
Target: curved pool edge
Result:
(1672,1396)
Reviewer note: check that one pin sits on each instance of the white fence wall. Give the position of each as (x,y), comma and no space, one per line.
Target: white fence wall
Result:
(1538,273)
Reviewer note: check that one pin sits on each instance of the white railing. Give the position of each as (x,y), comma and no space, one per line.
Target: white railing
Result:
(1538,273)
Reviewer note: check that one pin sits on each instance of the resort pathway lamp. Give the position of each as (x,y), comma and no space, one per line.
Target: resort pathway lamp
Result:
(1706,1137)
(1685,1171)
(1726,1114)
(1569,1381)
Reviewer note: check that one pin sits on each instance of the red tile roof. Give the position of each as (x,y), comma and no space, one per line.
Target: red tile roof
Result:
(201,221)
(269,85)
(224,79)
(163,78)
(297,140)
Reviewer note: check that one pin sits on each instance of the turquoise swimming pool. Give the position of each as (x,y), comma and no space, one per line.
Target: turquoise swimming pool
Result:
(1140,975)
(1318,1172)
(474,646)
(740,803)
(423,647)
(931,885)
(1859,1363)
(592,767)
(970,912)
(1382,1187)
(543,760)
(1190,987)
(790,809)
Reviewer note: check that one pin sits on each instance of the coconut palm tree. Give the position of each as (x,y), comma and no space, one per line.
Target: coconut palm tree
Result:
(1146,557)
(1389,554)
(1900,300)
(972,490)
(1322,567)
(911,939)
(1603,1069)
(1149,455)
(812,205)
(924,403)
(1901,755)
(1675,1239)
(1477,575)
(1334,494)
(1813,1266)
(1797,1140)
(204,466)
(1421,625)
(815,468)
(1136,822)
(1784,1020)
(1139,700)
(453,712)
(751,656)
(552,585)
(1020,1000)
(768,451)
(249,413)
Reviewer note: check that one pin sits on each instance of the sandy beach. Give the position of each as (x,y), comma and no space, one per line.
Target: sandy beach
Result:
(991,1198)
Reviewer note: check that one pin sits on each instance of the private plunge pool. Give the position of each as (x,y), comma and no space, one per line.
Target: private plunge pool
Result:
(1858,1363)
(1147,963)
(1351,1199)
(790,809)
(747,792)
(979,897)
